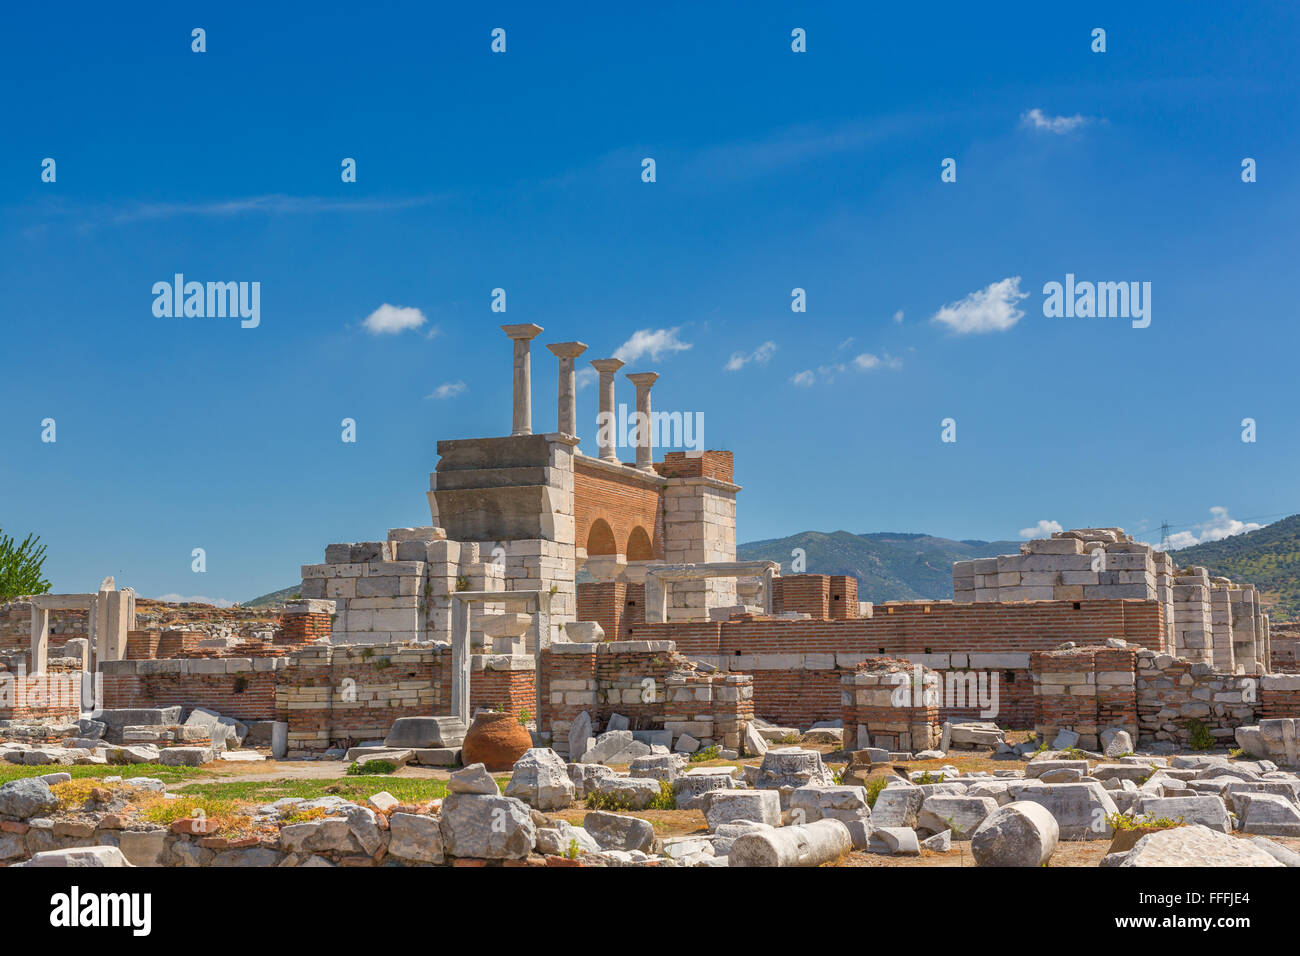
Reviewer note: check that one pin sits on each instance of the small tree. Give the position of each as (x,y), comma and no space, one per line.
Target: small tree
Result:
(20,567)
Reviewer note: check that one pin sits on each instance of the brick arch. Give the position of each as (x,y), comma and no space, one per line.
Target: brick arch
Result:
(600,539)
(620,498)
(639,547)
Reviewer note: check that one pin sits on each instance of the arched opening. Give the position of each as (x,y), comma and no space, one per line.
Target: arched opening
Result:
(600,539)
(638,545)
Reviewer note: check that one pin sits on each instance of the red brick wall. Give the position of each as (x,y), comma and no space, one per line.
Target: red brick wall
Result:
(801,697)
(142,645)
(615,605)
(708,464)
(1278,703)
(513,692)
(802,593)
(248,695)
(623,501)
(173,642)
(909,629)
(797,698)
(844,596)
(303,628)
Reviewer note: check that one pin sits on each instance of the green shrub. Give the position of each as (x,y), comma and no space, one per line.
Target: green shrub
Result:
(874,787)
(706,753)
(1119,821)
(1200,736)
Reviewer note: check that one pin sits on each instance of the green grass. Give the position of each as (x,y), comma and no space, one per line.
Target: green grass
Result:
(405,789)
(82,771)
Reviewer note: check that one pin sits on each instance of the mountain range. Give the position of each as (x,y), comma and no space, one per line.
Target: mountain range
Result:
(889,566)
(1268,557)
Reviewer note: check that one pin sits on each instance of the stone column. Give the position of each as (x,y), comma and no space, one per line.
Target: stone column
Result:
(522,335)
(460,662)
(607,423)
(644,452)
(567,415)
(40,638)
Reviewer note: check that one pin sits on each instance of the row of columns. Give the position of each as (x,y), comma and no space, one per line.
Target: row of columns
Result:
(567,415)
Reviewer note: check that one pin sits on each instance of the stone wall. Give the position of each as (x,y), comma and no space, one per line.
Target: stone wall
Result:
(890,703)
(1194,637)
(1085,689)
(647,682)
(328,694)
(712,708)
(16,626)
(1173,691)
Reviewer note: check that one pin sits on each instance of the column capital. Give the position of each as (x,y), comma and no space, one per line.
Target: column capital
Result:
(567,349)
(642,379)
(525,330)
(607,366)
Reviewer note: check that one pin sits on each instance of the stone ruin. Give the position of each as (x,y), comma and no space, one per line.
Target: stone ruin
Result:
(601,602)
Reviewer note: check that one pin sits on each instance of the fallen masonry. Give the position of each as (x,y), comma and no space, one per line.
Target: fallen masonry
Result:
(786,810)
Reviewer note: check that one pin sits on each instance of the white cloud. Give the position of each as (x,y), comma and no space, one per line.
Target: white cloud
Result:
(1044,529)
(992,309)
(1219,526)
(194,599)
(1060,125)
(393,319)
(898,316)
(826,374)
(652,343)
(760,356)
(586,376)
(448,390)
(867,362)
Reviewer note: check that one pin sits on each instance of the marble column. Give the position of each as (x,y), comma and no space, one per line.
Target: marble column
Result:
(522,418)
(567,415)
(40,638)
(607,422)
(644,451)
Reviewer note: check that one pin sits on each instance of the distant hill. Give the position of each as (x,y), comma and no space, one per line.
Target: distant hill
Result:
(275,598)
(889,566)
(1268,558)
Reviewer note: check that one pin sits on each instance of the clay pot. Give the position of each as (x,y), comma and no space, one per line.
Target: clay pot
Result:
(495,740)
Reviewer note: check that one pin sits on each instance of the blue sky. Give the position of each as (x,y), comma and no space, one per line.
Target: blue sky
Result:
(775,170)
